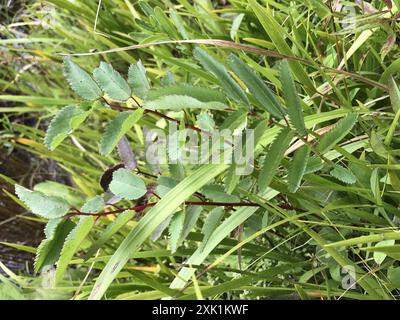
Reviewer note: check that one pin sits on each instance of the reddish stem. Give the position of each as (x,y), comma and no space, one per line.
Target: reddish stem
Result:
(151,204)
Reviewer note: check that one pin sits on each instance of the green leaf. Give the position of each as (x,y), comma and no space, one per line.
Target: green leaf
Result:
(9,290)
(112,228)
(292,99)
(165,185)
(263,95)
(66,121)
(93,205)
(231,88)
(126,185)
(273,158)
(297,168)
(205,121)
(51,227)
(198,93)
(137,79)
(393,275)
(49,249)
(120,125)
(52,188)
(211,223)
(375,187)
(236,25)
(177,102)
(343,174)
(72,243)
(394,93)
(111,82)
(160,229)
(220,233)
(216,193)
(175,230)
(192,214)
(278,36)
(151,220)
(379,257)
(343,127)
(80,81)
(46,206)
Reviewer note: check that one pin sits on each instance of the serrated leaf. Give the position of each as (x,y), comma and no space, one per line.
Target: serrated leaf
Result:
(72,243)
(52,188)
(93,205)
(342,128)
(273,158)
(177,102)
(379,256)
(198,93)
(175,230)
(168,79)
(150,221)
(137,79)
(191,217)
(49,249)
(292,99)
(297,168)
(263,95)
(314,164)
(216,193)
(115,130)
(51,227)
(343,174)
(375,188)
(46,206)
(165,184)
(231,88)
(127,185)
(80,81)
(394,93)
(160,229)
(111,82)
(205,122)
(112,228)
(211,223)
(63,124)
(278,35)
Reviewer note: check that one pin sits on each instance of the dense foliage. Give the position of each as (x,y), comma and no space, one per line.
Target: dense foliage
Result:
(316,81)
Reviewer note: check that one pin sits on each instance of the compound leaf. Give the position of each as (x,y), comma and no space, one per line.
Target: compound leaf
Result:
(231,88)
(273,158)
(264,96)
(137,79)
(120,125)
(292,99)
(63,124)
(343,127)
(126,185)
(297,168)
(72,243)
(46,206)
(111,82)
(80,81)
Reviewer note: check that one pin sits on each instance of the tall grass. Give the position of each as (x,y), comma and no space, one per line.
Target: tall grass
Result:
(307,235)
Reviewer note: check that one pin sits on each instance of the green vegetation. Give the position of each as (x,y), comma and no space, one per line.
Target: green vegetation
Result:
(317,216)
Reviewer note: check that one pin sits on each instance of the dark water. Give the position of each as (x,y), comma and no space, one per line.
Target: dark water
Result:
(13,228)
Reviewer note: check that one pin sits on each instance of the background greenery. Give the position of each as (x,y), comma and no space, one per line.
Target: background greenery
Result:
(295,244)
